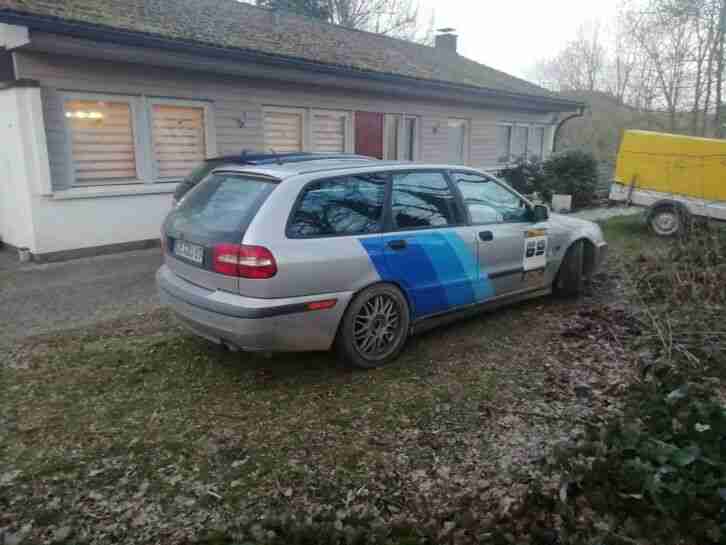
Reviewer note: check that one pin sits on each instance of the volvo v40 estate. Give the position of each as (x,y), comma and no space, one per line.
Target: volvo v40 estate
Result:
(359,254)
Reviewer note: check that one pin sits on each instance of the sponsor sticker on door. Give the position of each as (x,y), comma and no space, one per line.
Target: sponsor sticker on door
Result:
(535,249)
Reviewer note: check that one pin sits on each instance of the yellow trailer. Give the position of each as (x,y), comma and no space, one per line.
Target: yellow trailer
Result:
(674,176)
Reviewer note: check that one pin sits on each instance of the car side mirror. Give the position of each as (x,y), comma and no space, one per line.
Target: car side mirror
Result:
(540,213)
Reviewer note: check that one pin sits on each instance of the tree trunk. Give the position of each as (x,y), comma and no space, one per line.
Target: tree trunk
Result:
(719,68)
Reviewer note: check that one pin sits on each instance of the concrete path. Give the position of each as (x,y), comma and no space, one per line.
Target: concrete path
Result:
(49,297)
(599,214)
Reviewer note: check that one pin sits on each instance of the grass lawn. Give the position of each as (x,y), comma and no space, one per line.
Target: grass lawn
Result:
(135,431)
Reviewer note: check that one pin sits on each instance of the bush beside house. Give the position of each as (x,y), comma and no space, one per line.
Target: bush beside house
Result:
(570,173)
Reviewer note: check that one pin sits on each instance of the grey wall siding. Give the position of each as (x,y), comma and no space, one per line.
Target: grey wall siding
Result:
(238,105)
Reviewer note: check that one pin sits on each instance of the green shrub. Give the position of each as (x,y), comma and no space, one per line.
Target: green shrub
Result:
(571,173)
(525,176)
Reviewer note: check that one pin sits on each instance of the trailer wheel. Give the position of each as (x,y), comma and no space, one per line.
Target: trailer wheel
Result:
(668,220)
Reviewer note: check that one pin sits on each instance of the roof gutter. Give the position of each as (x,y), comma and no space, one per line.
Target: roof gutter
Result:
(558,128)
(103,33)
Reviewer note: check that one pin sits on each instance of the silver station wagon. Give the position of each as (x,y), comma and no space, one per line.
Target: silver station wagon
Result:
(358,254)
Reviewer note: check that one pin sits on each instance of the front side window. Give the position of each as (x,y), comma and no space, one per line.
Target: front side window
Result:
(422,199)
(349,205)
(102,141)
(489,202)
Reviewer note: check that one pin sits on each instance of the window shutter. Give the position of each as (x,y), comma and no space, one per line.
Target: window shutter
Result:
(283,131)
(329,132)
(178,139)
(102,141)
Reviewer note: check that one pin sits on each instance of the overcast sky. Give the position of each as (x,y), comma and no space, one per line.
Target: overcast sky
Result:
(511,35)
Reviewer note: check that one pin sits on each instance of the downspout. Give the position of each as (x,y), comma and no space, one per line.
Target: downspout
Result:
(559,126)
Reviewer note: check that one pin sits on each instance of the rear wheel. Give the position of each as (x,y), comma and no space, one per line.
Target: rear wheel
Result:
(374,327)
(570,281)
(666,221)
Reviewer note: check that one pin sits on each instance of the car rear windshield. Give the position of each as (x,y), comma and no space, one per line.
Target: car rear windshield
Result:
(219,209)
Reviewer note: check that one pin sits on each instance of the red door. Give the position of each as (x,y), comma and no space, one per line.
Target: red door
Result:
(369,134)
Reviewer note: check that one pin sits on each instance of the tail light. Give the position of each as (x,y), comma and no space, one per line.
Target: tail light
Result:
(243,261)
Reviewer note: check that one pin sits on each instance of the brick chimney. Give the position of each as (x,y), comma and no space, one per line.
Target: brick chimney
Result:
(446,40)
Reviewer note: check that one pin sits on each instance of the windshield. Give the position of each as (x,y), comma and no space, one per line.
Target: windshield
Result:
(219,208)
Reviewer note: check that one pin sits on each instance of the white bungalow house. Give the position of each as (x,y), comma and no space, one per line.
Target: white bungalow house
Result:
(106,104)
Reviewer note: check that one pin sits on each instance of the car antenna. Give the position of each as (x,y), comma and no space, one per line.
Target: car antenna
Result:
(277,157)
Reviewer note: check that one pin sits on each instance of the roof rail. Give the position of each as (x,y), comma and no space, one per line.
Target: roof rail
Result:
(281,158)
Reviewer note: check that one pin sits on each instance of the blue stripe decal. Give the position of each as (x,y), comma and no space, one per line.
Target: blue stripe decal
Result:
(437,270)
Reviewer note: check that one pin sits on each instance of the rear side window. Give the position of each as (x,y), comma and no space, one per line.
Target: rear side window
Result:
(422,199)
(219,208)
(349,205)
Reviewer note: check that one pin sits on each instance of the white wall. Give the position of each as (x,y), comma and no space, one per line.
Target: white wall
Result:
(33,216)
(19,164)
(70,224)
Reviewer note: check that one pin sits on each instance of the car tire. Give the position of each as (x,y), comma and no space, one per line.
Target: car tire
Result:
(374,328)
(667,220)
(570,280)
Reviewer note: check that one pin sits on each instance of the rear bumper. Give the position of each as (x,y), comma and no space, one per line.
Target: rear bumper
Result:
(251,323)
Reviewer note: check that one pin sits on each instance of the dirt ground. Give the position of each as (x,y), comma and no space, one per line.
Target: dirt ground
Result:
(133,431)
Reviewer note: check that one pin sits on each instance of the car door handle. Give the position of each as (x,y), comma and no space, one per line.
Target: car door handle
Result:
(397,244)
(486,236)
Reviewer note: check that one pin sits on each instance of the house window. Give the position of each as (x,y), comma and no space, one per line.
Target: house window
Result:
(400,137)
(178,139)
(535,145)
(330,131)
(519,142)
(284,130)
(102,143)
(458,141)
(122,139)
(504,143)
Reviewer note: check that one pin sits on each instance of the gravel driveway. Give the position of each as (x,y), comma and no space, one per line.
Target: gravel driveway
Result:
(43,298)
(40,298)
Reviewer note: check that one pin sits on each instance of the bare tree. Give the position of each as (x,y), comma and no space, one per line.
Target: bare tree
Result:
(721,37)
(579,66)
(397,18)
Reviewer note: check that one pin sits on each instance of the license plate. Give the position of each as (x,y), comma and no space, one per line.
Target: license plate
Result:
(187,250)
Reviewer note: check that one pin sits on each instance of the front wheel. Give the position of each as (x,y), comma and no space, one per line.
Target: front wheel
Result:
(570,281)
(374,328)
